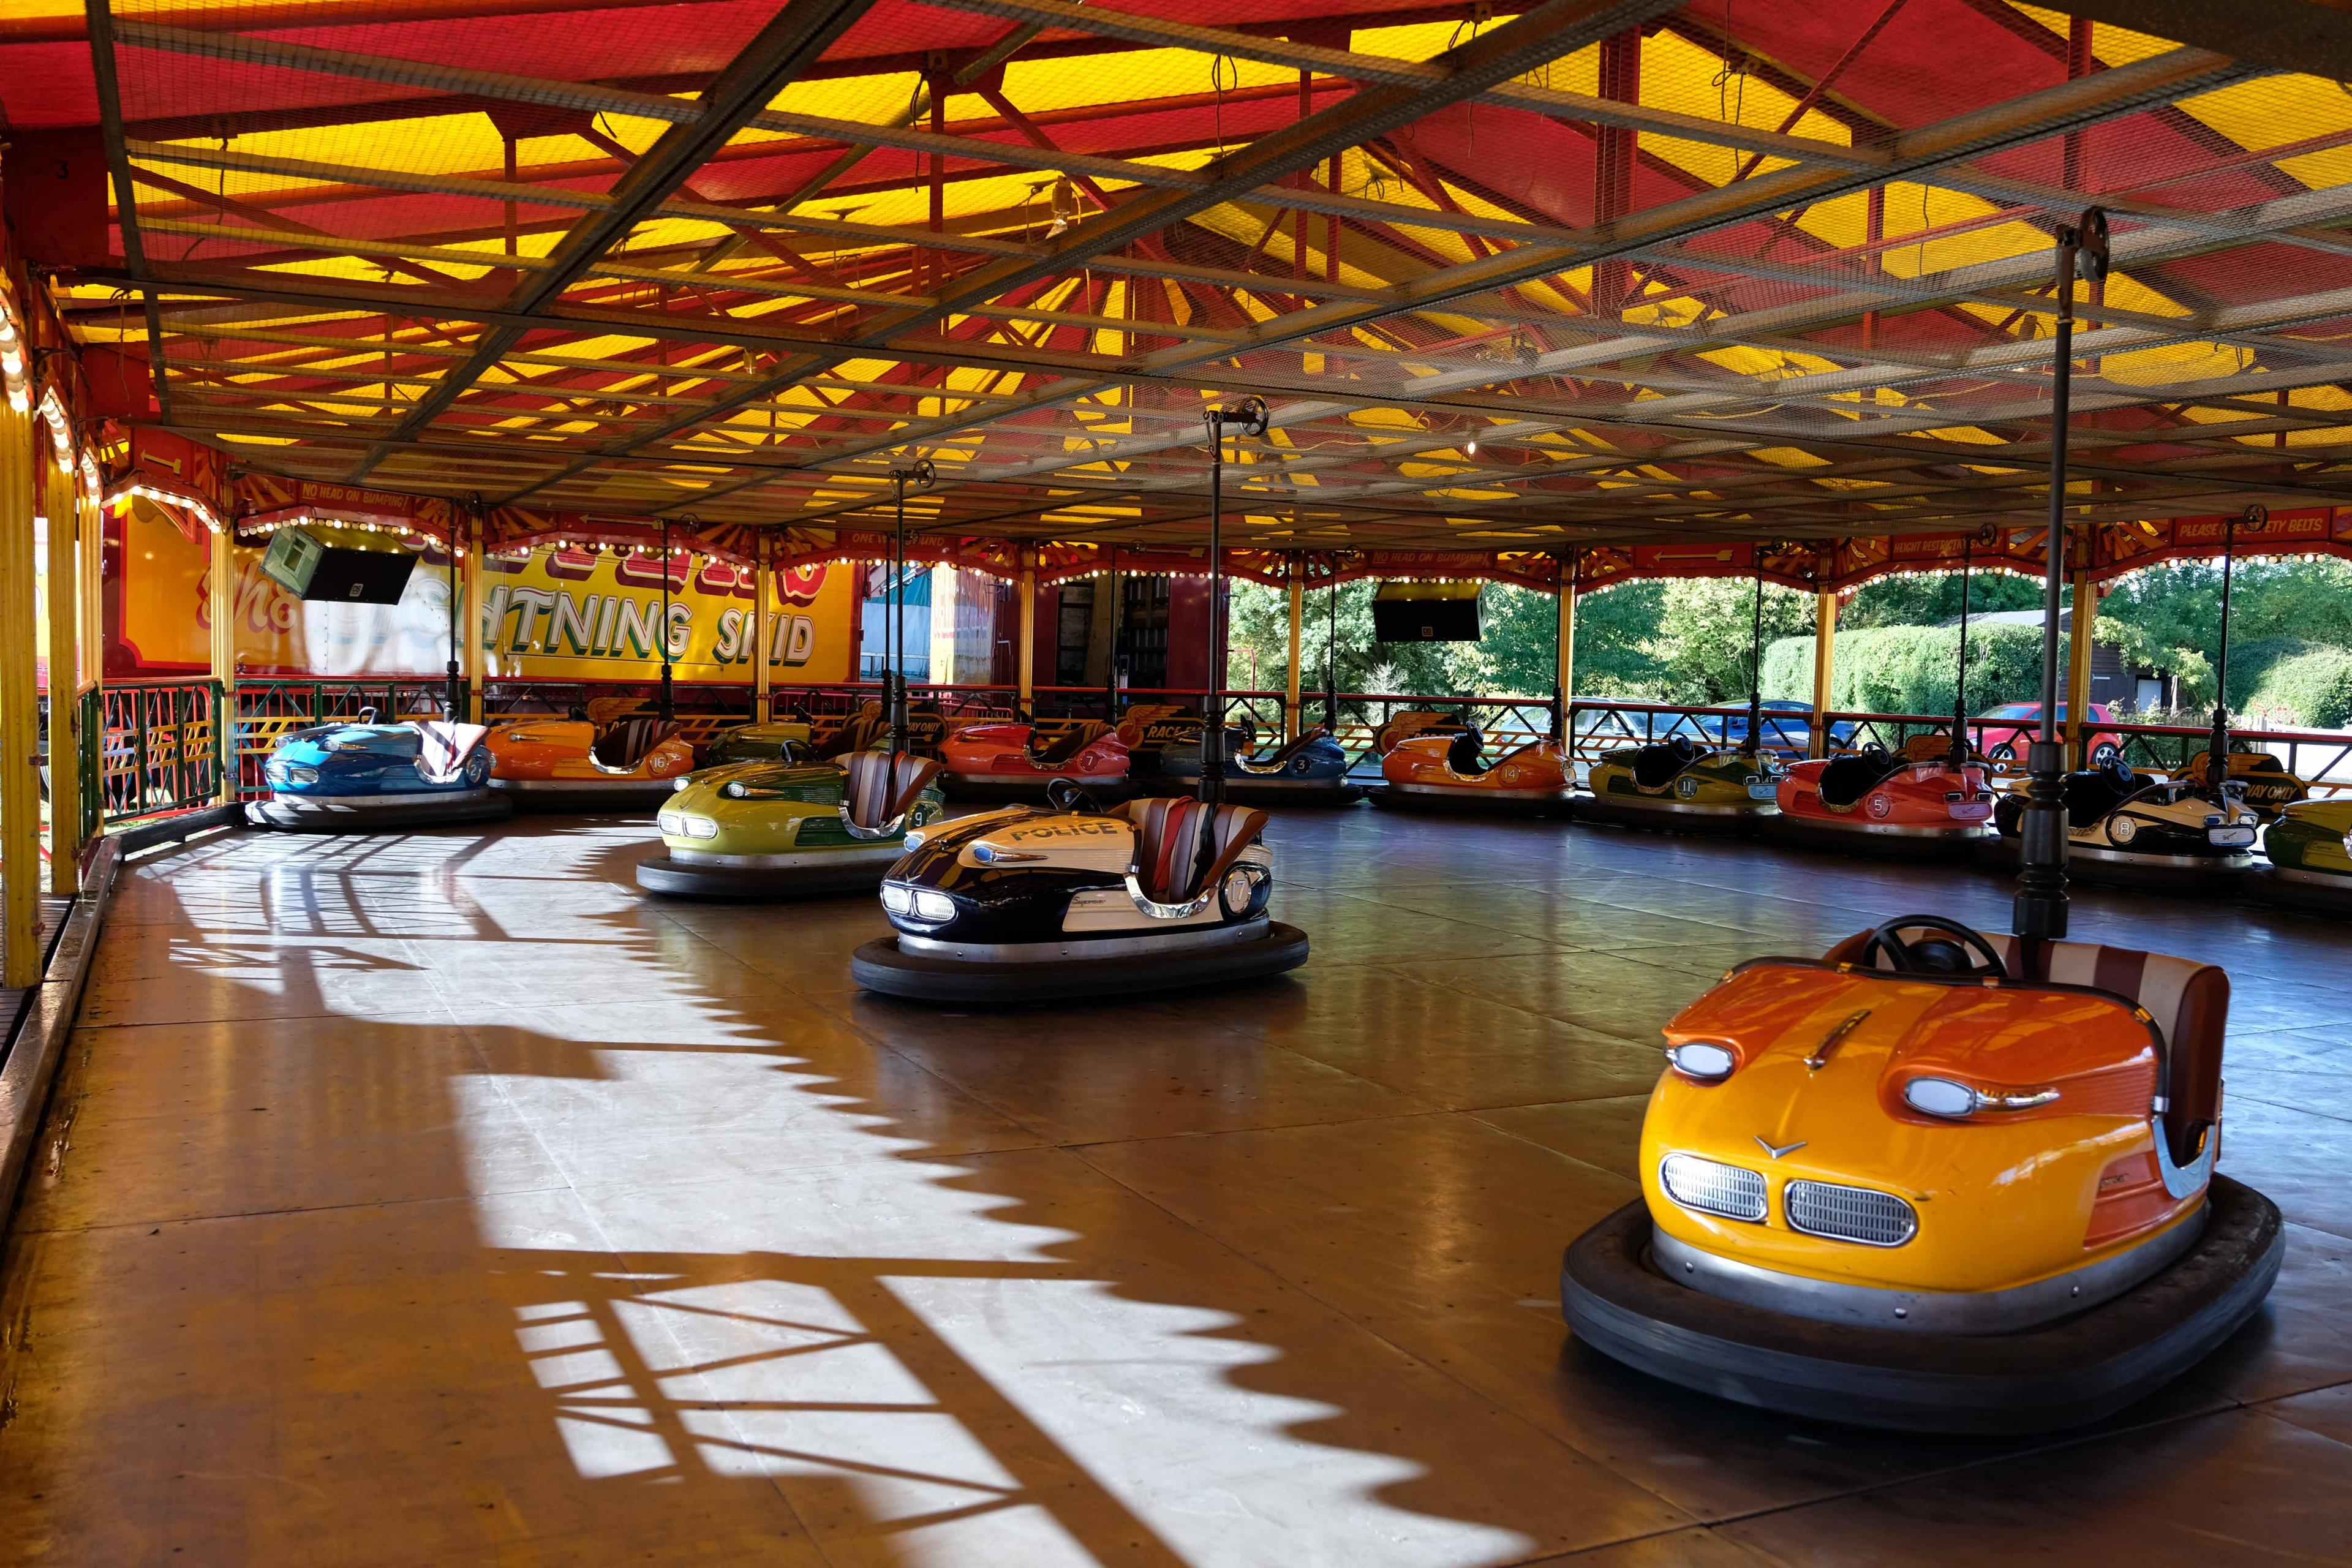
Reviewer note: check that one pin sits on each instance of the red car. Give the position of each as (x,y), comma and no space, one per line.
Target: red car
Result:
(2007,741)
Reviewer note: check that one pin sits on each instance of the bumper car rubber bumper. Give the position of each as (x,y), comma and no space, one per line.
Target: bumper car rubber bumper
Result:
(1244,791)
(2096,866)
(1024,789)
(585,795)
(884,966)
(2305,892)
(1456,801)
(1881,839)
(819,875)
(2065,1373)
(376,813)
(1665,815)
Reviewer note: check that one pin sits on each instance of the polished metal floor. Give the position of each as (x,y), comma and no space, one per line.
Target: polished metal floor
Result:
(437,1200)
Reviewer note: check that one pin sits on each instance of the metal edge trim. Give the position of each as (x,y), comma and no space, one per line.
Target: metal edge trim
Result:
(848,854)
(388,797)
(1097,947)
(1968,1312)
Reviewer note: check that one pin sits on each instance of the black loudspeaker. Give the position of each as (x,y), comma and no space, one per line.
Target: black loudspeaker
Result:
(361,576)
(1420,612)
(311,569)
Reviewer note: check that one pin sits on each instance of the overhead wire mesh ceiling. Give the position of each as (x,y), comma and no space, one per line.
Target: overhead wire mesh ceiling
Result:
(1592,273)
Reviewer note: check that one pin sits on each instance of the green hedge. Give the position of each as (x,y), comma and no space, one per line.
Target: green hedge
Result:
(1908,669)
(2309,685)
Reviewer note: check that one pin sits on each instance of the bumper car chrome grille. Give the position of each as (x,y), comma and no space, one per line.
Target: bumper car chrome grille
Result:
(1850,1213)
(1712,1188)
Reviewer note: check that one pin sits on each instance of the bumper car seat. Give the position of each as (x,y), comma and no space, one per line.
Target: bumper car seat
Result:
(1279,758)
(1848,778)
(1054,750)
(1168,834)
(857,732)
(2091,794)
(878,793)
(621,746)
(1467,755)
(1661,763)
(1413,722)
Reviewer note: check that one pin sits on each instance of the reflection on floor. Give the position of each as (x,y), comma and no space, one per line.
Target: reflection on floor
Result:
(436,1200)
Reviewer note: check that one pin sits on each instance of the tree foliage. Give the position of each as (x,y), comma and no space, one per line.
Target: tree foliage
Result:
(1687,640)
(1910,669)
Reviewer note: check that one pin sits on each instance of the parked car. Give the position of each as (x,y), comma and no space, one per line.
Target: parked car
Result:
(1788,727)
(2010,729)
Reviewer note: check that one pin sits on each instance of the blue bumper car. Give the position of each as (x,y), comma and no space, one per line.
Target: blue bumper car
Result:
(367,777)
(1309,771)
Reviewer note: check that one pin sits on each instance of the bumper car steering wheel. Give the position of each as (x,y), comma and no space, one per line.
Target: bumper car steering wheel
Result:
(1949,954)
(1068,796)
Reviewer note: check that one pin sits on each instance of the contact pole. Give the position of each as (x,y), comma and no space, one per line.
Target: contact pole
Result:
(2217,758)
(896,608)
(2039,912)
(1110,666)
(894,634)
(1212,703)
(1755,672)
(1959,753)
(453,699)
(668,695)
(1331,656)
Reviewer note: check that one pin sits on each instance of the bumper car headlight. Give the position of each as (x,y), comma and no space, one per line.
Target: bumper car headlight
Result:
(679,785)
(1711,1187)
(897,898)
(1940,1097)
(1953,1100)
(1702,1060)
(930,905)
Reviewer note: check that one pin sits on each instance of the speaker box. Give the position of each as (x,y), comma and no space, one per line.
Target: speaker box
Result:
(1425,612)
(309,569)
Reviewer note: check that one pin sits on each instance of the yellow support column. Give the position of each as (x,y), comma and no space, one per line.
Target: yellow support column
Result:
(221,584)
(20,780)
(763,671)
(2078,665)
(1825,613)
(1290,686)
(63,508)
(1026,653)
(472,664)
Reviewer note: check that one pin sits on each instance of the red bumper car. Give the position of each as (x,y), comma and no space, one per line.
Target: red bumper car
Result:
(1921,801)
(1014,762)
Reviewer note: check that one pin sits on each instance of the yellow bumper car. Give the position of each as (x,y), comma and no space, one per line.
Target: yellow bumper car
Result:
(1930,1181)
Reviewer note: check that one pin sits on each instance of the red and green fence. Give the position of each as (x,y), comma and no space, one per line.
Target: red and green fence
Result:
(157,746)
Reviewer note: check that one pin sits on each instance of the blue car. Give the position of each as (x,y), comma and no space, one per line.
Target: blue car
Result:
(1309,771)
(360,777)
(1788,727)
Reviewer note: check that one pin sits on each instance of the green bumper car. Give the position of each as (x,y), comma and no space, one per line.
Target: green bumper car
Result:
(791,829)
(1681,786)
(761,742)
(2310,851)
